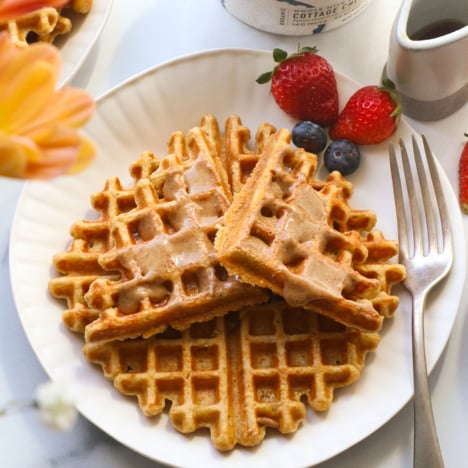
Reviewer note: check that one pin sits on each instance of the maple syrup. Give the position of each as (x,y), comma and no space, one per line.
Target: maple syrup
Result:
(437,29)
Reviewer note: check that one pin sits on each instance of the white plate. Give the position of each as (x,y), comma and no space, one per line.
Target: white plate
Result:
(139,115)
(77,44)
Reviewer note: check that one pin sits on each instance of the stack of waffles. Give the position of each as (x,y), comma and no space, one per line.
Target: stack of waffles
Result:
(228,281)
(44,24)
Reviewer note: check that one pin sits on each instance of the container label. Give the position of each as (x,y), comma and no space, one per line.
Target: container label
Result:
(295,17)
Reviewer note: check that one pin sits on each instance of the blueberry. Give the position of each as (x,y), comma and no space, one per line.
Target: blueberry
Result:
(310,136)
(343,156)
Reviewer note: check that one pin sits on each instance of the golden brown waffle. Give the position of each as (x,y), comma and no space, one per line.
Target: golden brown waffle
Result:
(153,245)
(41,25)
(341,215)
(282,354)
(79,264)
(239,374)
(379,266)
(44,24)
(278,234)
(238,158)
(380,251)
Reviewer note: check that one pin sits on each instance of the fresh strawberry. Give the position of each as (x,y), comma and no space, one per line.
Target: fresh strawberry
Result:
(463,178)
(370,116)
(304,86)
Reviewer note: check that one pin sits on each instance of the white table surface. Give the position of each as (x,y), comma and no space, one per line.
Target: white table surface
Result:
(138,35)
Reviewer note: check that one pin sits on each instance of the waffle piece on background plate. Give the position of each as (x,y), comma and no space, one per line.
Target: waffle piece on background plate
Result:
(239,374)
(280,233)
(153,244)
(80,6)
(44,24)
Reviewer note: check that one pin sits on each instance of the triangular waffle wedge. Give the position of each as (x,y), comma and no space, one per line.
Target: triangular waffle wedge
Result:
(79,265)
(342,216)
(155,245)
(239,374)
(240,157)
(279,234)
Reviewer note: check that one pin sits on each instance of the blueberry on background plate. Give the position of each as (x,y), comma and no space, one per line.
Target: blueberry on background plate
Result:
(343,156)
(310,136)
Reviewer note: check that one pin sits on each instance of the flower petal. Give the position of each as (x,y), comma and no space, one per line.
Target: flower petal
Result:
(38,125)
(77,106)
(55,162)
(14,61)
(69,106)
(28,97)
(6,46)
(15,156)
(86,156)
(63,150)
(59,146)
(18,66)
(56,405)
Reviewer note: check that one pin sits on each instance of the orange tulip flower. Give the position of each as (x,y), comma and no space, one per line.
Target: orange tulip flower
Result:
(39,125)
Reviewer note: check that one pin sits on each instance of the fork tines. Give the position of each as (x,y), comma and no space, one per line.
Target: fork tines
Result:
(416,179)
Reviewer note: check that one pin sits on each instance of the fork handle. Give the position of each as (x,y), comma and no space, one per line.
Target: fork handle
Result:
(426,451)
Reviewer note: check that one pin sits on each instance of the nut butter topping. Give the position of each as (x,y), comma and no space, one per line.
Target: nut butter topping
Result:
(279,233)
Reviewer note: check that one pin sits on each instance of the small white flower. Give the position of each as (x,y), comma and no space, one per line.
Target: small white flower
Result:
(55,404)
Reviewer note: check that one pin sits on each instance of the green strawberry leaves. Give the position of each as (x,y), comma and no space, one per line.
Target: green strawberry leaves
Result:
(279,56)
(389,87)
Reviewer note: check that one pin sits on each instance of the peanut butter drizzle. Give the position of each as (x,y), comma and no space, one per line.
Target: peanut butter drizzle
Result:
(148,266)
(306,230)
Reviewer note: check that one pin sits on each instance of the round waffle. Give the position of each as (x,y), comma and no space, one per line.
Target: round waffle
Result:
(144,282)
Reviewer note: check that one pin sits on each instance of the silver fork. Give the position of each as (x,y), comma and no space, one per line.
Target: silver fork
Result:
(426,251)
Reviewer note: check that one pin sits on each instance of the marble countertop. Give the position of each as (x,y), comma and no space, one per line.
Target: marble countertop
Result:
(138,35)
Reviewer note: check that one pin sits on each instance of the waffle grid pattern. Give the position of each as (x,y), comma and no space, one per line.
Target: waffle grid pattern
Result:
(247,365)
(153,247)
(280,231)
(241,373)
(79,265)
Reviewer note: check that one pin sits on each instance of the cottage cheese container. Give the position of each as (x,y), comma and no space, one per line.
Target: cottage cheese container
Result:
(295,17)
